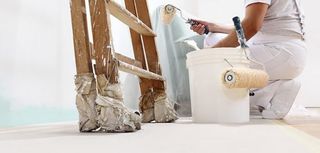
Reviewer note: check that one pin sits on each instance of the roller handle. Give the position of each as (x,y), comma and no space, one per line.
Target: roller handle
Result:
(240,32)
(206,30)
(237,23)
(193,22)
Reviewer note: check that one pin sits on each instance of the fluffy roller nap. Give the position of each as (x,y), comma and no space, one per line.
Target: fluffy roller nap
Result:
(167,14)
(244,78)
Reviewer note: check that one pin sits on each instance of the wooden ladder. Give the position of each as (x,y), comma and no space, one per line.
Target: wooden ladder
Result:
(136,16)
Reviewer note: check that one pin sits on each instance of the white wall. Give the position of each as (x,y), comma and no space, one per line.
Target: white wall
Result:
(36,61)
(309,94)
(20,38)
(221,11)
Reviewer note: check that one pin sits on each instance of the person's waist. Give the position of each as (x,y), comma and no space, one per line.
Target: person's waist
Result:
(268,37)
(283,28)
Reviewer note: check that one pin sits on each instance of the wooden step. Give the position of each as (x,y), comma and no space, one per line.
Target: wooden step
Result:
(128,60)
(138,71)
(128,18)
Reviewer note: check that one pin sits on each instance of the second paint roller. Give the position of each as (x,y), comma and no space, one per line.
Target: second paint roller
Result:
(243,77)
(169,11)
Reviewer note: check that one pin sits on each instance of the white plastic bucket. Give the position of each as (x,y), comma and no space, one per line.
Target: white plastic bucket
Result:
(211,101)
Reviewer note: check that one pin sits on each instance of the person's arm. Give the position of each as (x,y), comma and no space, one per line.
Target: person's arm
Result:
(251,24)
(213,27)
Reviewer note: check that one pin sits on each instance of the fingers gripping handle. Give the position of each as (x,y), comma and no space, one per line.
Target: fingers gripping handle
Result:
(193,22)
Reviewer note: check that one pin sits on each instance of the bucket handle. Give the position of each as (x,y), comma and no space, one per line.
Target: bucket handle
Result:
(248,58)
(228,62)
(262,67)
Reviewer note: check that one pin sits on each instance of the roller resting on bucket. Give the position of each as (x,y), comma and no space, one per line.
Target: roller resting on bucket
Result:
(275,30)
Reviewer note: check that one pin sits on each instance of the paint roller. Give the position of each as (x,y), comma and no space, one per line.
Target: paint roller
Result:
(169,11)
(244,78)
(239,77)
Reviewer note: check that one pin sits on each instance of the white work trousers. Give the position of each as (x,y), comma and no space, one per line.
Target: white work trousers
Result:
(283,59)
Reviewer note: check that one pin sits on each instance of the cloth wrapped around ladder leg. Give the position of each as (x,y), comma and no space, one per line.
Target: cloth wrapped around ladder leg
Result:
(163,109)
(155,106)
(113,116)
(244,78)
(85,101)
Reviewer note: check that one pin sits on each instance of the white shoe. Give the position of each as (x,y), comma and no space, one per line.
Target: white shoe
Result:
(283,100)
(262,97)
(256,110)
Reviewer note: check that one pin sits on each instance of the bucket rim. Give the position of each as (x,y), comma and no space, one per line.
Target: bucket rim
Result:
(215,51)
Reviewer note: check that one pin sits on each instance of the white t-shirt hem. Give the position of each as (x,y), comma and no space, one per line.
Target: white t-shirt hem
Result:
(248,2)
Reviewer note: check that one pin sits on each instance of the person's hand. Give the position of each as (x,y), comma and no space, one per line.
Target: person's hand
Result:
(200,28)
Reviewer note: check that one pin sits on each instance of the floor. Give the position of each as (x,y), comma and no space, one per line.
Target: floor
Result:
(296,134)
(310,124)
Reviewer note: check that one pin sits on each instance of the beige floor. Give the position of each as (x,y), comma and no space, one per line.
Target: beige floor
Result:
(296,134)
(307,124)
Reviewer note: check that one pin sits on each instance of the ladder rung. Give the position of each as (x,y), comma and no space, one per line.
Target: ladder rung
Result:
(138,71)
(128,18)
(128,60)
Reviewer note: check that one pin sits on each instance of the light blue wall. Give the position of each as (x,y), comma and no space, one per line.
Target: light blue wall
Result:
(33,115)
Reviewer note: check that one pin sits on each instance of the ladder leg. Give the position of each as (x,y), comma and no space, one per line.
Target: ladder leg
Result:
(113,116)
(84,80)
(145,51)
(80,36)
(145,84)
(101,32)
